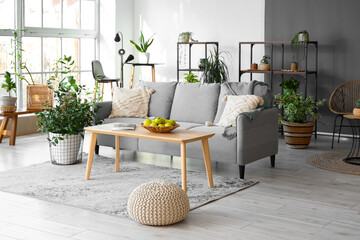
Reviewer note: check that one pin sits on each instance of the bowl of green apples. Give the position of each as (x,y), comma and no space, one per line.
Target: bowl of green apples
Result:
(159,125)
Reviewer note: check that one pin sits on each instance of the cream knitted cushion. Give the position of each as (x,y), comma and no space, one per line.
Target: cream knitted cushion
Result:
(158,203)
(131,102)
(236,104)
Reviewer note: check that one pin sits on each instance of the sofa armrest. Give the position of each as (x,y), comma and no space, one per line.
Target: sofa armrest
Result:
(104,110)
(257,138)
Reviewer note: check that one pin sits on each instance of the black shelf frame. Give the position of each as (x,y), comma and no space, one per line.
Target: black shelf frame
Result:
(189,69)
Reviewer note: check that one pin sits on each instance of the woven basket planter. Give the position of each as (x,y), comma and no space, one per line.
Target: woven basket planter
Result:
(67,151)
(158,203)
(37,95)
(298,135)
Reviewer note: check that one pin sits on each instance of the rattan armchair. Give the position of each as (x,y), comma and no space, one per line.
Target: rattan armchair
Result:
(342,101)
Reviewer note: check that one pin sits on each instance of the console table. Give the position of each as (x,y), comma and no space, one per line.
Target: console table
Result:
(13,117)
(152,65)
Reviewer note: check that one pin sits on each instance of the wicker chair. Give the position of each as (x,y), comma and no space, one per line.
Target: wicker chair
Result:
(342,101)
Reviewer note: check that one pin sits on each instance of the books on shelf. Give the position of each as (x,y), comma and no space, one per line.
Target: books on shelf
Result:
(123,126)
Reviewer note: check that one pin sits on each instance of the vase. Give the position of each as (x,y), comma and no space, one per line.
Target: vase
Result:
(67,151)
(298,135)
(144,57)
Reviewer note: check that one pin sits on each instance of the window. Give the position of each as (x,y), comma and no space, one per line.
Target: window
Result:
(54,28)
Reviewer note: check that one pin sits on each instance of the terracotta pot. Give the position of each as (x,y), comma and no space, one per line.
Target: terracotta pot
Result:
(298,135)
(356,112)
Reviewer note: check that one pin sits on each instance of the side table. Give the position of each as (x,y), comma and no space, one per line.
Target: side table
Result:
(13,118)
(152,65)
(354,154)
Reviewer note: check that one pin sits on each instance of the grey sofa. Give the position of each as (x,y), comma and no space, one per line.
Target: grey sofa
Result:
(191,105)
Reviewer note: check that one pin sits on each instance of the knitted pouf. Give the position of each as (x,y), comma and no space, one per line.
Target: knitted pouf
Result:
(158,203)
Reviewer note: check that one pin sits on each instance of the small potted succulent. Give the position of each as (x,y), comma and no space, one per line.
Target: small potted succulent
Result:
(143,46)
(8,102)
(356,110)
(264,63)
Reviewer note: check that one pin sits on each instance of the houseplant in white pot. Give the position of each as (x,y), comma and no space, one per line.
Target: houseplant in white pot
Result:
(8,103)
(65,121)
(143,46)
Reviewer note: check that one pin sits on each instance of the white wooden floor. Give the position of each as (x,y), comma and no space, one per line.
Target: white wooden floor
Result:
(293,201)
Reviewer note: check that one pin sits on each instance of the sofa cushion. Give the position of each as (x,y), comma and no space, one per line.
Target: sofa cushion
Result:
(131,102)
(161,100)
(242,88)
(195,102)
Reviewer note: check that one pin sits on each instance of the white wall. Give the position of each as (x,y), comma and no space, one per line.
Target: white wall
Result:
(225,21)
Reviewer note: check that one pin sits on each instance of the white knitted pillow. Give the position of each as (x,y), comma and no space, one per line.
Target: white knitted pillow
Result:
(236,104)
(131,102)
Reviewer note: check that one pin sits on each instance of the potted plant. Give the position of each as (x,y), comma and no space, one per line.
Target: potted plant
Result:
(298,118)
(202,63)
(65,121)
(8,103)
(143,46)
(185,37)
(290,85)
(298,43)
(264,63)
(356,110)
(216,70)
(191,78)
(37,94)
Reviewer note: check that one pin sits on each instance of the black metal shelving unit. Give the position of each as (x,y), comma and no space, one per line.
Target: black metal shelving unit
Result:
(189,69)
(304,72)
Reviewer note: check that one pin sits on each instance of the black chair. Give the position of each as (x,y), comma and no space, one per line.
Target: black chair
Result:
(98,74)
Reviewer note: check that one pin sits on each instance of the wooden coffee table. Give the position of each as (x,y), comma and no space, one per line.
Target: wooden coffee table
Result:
(177,136)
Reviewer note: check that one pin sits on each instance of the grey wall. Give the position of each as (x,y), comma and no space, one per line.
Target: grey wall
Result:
(335,25)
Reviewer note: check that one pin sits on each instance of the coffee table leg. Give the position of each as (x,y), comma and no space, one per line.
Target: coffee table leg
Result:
(91,154)
(183,166)
(206,152)
(117,154)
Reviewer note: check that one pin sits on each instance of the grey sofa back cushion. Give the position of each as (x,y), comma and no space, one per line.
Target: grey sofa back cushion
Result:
(241,88)
(195,102)
(162,99)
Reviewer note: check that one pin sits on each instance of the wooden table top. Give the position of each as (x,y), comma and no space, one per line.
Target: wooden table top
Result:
(177,135)
(19,111)
(351,116)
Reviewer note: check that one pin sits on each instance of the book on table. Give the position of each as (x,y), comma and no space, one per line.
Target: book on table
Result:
(123,126)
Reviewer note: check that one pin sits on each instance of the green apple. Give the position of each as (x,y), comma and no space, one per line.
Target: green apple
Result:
(153,124)
(172,122)
(163,120)
(158,120)
(147,122)
(168,124)
(161,125)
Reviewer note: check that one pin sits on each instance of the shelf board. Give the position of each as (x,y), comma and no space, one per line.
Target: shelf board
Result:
(277,42)
(198,42)
(191,69)
(276,72)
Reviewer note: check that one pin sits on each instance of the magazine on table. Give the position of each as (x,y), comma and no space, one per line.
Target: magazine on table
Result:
(123,126)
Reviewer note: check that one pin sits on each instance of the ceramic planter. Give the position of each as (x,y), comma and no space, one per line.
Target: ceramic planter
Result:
(8,104)
(298,135)
(67,151)
(356,112)
(144,57)
(264,67)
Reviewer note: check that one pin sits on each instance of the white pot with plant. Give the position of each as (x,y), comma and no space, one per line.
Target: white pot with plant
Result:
(264,63)
(142,47)
(8,103)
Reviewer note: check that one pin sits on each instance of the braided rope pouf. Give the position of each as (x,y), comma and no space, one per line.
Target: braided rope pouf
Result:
(158,203)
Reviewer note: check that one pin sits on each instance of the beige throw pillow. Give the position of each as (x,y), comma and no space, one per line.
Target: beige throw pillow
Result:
(130,102)
(236,105)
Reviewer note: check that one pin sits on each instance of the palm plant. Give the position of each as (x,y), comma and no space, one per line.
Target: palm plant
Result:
(143,45)
(216,70)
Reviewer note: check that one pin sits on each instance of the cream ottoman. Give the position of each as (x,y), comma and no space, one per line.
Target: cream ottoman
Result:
(158,203)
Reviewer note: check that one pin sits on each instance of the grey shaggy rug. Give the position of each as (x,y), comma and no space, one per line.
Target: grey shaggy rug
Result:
(107,191)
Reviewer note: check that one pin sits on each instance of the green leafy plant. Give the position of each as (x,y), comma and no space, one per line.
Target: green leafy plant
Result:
(185,36)
(298,109)
(290,85)
(191,78)
(265,59)
(143,45)
(298,47)
(357,103)
(17,62)
(216,70)
(72,111)
(9,84)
